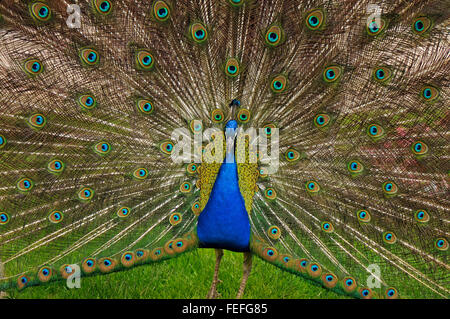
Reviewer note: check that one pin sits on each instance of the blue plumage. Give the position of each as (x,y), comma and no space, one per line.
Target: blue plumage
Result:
(224,222)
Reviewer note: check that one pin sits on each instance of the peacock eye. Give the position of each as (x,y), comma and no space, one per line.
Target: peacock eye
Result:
(144,106)
(327,227)
(332,73)
(198,32)
(441,244)
(217,116)
(175,219)
(312,187)
(161,11)
(421,25)
(243,116)
(55,217)
(4,218)
(144,60)
(25,184)
(140,173)
(321,120)
(40,12)
(278,83)
(186,187)
(391,293)
(363,216)
(390,188)
(382,74)
(375,28)
(102,7)
(85,194)
(274,35)
(419,148)
(389,237)
(430,93)
(166,147)
(315,19)
(123,212)
(87,101)
(89,57)
(232,67)
(375,131)
(102,148)
(2,141)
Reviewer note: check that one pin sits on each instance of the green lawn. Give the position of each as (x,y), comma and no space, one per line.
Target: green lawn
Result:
(188,276)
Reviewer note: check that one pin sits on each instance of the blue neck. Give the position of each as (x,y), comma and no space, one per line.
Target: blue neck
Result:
(224,222)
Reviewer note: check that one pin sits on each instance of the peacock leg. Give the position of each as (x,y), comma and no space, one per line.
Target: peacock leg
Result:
(245,274)
(213,291)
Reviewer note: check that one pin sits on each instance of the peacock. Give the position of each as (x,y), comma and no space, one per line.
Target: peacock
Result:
(313,134)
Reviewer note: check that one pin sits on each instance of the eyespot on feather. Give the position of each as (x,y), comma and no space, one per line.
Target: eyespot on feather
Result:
(363,216)
(175,219)
(382,74)
(156,254)
(312,187)
(314,270)
(2,141)
(123,212)
(315,19)
(106,264)
(441,244)
(374,29)
(391,293)
(329,280)
(274,36)
(365,293)
(270,193)
(40,12)
(25,185)
(390,188)
(419,148)
(4,218)
(140,173)
(278,84)
(128,259)
(56,217)
(102,148)
(89,265)
(198,32)
(332,73)
(87,101)
(244,116)
(161,11)
(37,121)
(232,67)
(85,194)
(89,57)
(102,7)
(389,237)
(166,147)
(274,232)
(45,274)
(349,284)
(322,120)
(33,67)
(145,106)
(421,25)
(196,208)
(217,116)
(144,60)
(422,216)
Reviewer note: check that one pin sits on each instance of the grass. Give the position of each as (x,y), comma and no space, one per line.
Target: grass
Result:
(188,276)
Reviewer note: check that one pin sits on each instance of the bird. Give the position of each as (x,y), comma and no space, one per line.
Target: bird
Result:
(312,134)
